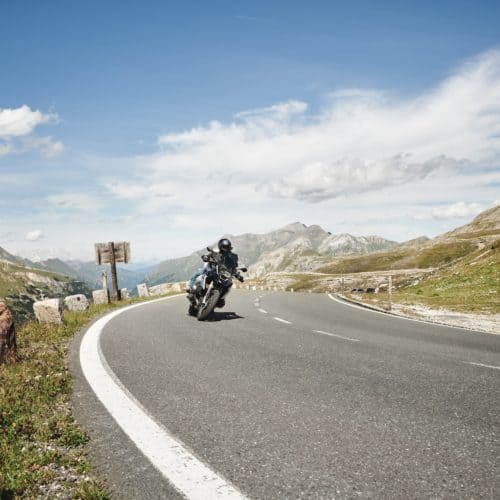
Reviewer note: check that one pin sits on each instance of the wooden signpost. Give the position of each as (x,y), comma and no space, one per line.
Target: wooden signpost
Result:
(111,253)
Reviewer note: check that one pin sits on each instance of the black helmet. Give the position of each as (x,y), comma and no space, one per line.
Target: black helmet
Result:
(224,245)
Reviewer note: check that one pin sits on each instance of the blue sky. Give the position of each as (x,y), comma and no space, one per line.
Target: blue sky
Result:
(170,123)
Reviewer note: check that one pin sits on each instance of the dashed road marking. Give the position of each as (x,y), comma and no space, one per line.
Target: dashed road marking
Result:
(263,311)
(190,476)
(281,320)
(336,335)
(493,367)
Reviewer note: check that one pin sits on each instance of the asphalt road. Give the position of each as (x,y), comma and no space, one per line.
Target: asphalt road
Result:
(297,396)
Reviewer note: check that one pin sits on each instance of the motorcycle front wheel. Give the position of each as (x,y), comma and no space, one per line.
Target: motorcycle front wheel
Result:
(206,309)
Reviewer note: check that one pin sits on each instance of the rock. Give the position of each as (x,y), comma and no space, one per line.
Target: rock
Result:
(142,290)
(162,289)
(100,296)
(76,302)
(49,311)
(8,346)
(124,294)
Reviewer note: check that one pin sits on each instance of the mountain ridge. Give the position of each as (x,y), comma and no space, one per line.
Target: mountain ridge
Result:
(267,252)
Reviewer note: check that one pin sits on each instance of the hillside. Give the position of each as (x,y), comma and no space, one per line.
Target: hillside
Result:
(293,247)
(20,286)
(459,270)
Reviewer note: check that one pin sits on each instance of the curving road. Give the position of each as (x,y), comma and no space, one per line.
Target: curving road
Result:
(300,396)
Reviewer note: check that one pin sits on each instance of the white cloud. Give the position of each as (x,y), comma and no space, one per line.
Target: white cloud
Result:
(360,141)
(21,121)
(72,201)
(460,210)
(34,235)
(16,131)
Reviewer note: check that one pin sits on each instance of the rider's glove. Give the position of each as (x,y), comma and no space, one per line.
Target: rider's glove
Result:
(240,278)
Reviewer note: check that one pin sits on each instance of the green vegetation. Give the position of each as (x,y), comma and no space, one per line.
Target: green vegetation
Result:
(42,449)
(303,282)
(471,285)
(432,256)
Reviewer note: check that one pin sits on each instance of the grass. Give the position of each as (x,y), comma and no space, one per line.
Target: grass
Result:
(470,285)
(42,449)
(434,256)
(466,286)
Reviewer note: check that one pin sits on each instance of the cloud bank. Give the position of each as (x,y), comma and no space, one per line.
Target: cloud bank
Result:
(460,210)
(359,141)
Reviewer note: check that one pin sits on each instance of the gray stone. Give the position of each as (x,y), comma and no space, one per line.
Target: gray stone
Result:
(76,302)
(49,311)
(142,290)
(161,289)
(124,294)
(100,296)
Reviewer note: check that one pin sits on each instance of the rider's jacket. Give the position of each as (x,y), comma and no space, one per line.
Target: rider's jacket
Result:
(228,259)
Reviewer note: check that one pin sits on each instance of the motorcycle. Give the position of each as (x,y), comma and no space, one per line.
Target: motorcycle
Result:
(211,287)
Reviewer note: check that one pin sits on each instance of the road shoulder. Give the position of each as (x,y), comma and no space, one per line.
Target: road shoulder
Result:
(116,460)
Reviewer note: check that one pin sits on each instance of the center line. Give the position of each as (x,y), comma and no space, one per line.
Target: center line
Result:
(283,320)
(481,364)
(336,335)
(262,311)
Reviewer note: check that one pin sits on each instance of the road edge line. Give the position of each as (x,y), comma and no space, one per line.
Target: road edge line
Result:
(188,474)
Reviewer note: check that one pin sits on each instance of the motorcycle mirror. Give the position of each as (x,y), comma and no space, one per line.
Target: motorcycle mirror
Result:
(244,269)
(210,249)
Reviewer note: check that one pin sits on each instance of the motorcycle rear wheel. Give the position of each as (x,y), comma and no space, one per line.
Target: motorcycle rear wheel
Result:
(205,310)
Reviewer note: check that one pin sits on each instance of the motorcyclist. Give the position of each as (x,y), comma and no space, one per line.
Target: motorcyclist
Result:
(224,256)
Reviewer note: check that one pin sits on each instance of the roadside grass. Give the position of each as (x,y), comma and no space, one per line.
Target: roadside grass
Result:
(42,449)
(467,286)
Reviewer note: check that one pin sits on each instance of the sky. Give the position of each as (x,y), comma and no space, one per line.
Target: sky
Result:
(169,124)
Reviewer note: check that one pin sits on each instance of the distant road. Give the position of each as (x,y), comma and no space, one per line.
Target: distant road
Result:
(295,396)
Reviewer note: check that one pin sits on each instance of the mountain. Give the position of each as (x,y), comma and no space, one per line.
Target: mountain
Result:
(484,226)
(22,282)
(91,273)
(293,247)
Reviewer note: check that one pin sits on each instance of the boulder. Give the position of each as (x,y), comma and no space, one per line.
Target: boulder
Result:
(100,296)
(76,302)
(8,345)
(162,289)
(49,311)
(142,290)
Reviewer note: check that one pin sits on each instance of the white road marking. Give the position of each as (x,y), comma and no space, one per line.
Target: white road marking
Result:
(283,320)
(336,335)
(263,311)
(191,477)
(483,365)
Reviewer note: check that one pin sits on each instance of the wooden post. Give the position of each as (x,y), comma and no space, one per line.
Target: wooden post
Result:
(114,277)
(389,289)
